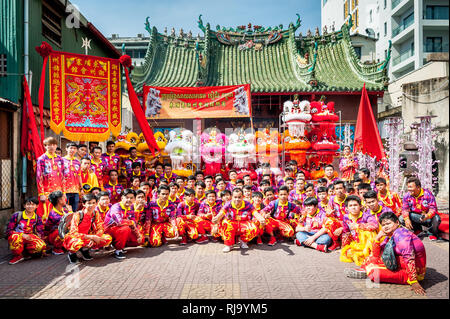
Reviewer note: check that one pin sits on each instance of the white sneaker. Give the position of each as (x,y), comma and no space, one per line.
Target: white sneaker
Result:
(226,249)
(243,245)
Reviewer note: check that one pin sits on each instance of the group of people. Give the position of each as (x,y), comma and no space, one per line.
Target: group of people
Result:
(123,204)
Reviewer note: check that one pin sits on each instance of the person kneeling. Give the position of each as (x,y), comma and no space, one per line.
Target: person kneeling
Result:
(120,223)
(278,215)
(398,255)
(85,231)
(238,214)
(313,233)
(25,232)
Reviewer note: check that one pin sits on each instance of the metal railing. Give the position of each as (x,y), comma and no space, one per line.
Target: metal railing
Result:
(395,3)
(406,23)
(402,57)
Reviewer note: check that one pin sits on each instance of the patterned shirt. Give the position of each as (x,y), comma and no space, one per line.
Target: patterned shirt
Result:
(140,214)
(410,250)
(365,221)
(54,217)
(26,225)
(315,221)
(71,179)
(283,212)
(98,168)
(184,208)
(88,178)
(160,214)
(391,200)
(89,225)
(381,209)
(119,215)
(296,195)
(132,175)
(424,203)
(110,161)
(101,212)
(208,210)
(49,173)
(348,166)
(175,200)
(230,186)
(128,162)
(115,191)
(338,207)
(243,213)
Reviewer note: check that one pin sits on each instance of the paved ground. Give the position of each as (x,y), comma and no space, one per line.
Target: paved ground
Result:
(203,272)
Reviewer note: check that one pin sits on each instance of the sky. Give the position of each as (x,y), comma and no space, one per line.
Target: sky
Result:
(127,18)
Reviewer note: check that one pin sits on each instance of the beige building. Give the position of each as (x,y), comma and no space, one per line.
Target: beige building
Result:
(423,92)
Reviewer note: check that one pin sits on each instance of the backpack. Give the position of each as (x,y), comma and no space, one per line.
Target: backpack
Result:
(64,223)
(388,256)
(276,207)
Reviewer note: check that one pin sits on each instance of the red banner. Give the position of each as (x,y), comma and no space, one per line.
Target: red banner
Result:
(197,102)
(85,96)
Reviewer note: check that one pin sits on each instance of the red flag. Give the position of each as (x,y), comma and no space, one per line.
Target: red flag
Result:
(30,141)
(125,60)
(44,50)
(367,137)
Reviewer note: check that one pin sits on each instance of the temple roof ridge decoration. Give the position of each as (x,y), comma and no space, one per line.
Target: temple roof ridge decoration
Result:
(271,59)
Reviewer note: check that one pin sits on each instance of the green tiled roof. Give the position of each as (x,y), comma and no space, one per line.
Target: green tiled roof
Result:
(173,60)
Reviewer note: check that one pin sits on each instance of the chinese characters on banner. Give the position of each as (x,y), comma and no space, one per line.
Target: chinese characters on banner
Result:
(85,96)
(197,102)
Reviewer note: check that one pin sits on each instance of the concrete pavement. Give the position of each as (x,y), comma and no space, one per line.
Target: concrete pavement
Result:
(203,271)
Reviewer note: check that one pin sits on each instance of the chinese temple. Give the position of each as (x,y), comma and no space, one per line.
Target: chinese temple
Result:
(275,61)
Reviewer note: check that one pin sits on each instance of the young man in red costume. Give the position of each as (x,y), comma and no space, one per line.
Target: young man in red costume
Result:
(389,198)
(207,210)
(49,175)
(58,200)
(168,174)
(257,202)
(200,191)
(104,204)
(237,215)
(329,174)
(71,178)
(127,162)
(312,232)
(113,187)
(160,219)
(25,232)
(87,176)
(187,212)
(97,165)
(173,195)
(85,231)
(277,215)
(110,161)
(121,224)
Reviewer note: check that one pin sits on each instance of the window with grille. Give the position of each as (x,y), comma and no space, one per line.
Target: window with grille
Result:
(51,22)
(6,181)
(3,65)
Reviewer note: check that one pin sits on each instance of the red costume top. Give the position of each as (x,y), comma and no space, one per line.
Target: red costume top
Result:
(49,173)
(391,200)
(71,179)
(243,213)
(115,191)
